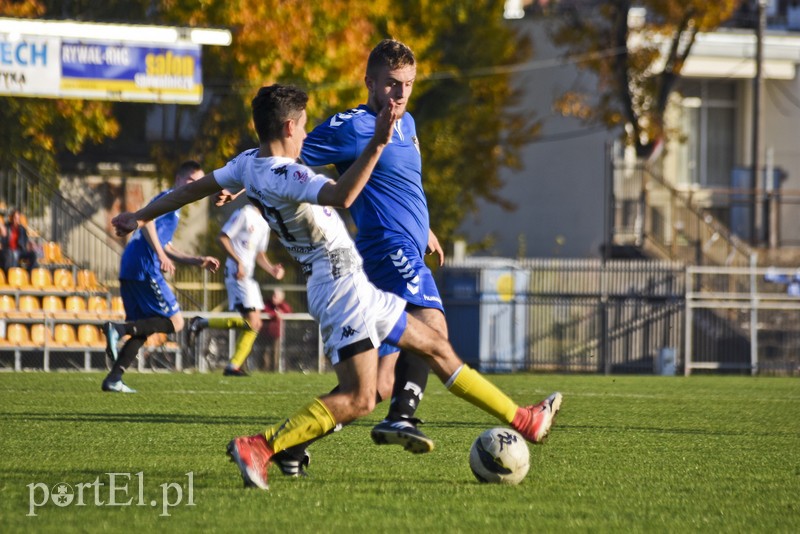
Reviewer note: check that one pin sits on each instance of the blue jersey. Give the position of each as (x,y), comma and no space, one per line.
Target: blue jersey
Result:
(392,211)
(139,260)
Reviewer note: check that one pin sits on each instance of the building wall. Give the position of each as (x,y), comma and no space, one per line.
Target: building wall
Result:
(559,191)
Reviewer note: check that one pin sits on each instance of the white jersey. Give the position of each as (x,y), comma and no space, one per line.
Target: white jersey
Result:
(353,314)
(249,235)
(285,192)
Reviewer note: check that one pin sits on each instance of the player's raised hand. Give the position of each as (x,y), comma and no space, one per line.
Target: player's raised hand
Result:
(125,223)
(384,122)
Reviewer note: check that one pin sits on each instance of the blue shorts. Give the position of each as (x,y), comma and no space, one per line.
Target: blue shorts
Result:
(405,274)
(144,299)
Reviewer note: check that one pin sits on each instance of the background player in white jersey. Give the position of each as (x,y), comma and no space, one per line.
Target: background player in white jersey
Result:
(244,237)
(150,305)
(354,316)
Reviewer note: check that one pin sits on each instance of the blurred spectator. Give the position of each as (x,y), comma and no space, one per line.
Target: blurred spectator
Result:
(274,307)
(18,249)
(792,282)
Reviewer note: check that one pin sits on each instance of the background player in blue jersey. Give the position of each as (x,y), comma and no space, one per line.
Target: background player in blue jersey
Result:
(394,234)
(150,305)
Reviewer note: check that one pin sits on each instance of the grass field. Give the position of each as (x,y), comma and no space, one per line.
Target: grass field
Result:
(710,454)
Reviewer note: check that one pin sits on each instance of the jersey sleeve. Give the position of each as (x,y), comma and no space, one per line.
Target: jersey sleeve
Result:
(234,224)
(229,176)
(332,142)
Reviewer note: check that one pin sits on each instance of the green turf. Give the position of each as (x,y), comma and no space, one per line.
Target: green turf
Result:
(627,454)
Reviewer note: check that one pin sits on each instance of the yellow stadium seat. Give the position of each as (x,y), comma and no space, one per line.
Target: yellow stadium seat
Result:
(7,303)
(89,336)
(52,304)
(75,305)
(41,335)
(117,306)
(86,280)
(156,340)
(97,304)
(17,334)
(52,253)
(63,280)
(41,278)
(64,335)
(18,278)
(3,282)
(27,307)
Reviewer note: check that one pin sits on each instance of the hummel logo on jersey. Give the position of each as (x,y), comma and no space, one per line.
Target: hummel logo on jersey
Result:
(405,269)
(348,331)
(283,170)
(339,118)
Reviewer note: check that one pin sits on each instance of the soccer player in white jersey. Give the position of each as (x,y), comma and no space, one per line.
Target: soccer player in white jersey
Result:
(354,316)
(244,237)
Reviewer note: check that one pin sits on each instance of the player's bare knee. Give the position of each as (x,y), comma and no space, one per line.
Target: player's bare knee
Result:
(254,321)
(177,322)
(363,404)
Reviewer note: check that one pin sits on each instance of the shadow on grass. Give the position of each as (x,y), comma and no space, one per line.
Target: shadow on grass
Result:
(153,418)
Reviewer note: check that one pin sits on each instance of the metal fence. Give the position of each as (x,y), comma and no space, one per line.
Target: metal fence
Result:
(756,330)
(621,316)
(299,348)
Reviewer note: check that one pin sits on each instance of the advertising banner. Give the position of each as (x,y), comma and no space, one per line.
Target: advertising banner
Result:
(63,68)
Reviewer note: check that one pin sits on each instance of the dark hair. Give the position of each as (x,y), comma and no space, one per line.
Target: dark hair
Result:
(274,105)
(389,53)
(187,168)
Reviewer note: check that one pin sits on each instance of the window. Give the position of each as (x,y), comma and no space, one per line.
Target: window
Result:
(707,120)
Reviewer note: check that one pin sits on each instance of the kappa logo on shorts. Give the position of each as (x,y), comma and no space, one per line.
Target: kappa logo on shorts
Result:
(406,271)
(348,331)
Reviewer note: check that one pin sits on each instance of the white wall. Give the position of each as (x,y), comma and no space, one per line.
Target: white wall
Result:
(559,192)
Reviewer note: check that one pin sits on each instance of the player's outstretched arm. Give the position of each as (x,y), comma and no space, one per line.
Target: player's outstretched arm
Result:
(206,262)
(126,222)
(343,192)
(151,236)
(275,269)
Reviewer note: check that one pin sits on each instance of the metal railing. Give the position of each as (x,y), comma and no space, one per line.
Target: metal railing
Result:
(53,217)
(652,214)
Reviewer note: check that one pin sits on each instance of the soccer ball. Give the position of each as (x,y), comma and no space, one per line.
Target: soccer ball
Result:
(499,456)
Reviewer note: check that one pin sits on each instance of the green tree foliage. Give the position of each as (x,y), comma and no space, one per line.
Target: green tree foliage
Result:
(461,102)
(636,68)
(36,129)
(467,134)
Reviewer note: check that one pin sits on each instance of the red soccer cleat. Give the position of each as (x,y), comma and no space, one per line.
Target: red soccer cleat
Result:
(534,422)
(252,454)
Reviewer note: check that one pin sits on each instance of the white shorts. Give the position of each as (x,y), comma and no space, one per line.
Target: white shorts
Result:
(353,314)
(245,293)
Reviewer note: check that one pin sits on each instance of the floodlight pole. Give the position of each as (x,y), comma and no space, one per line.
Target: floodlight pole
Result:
(758,82)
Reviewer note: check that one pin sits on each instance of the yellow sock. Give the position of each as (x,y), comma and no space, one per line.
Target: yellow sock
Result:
(243,347)
(472,387)
(311,422)
(223,323)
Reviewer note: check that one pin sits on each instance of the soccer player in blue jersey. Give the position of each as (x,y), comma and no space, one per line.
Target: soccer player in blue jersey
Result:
(150,305)
(394,233)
